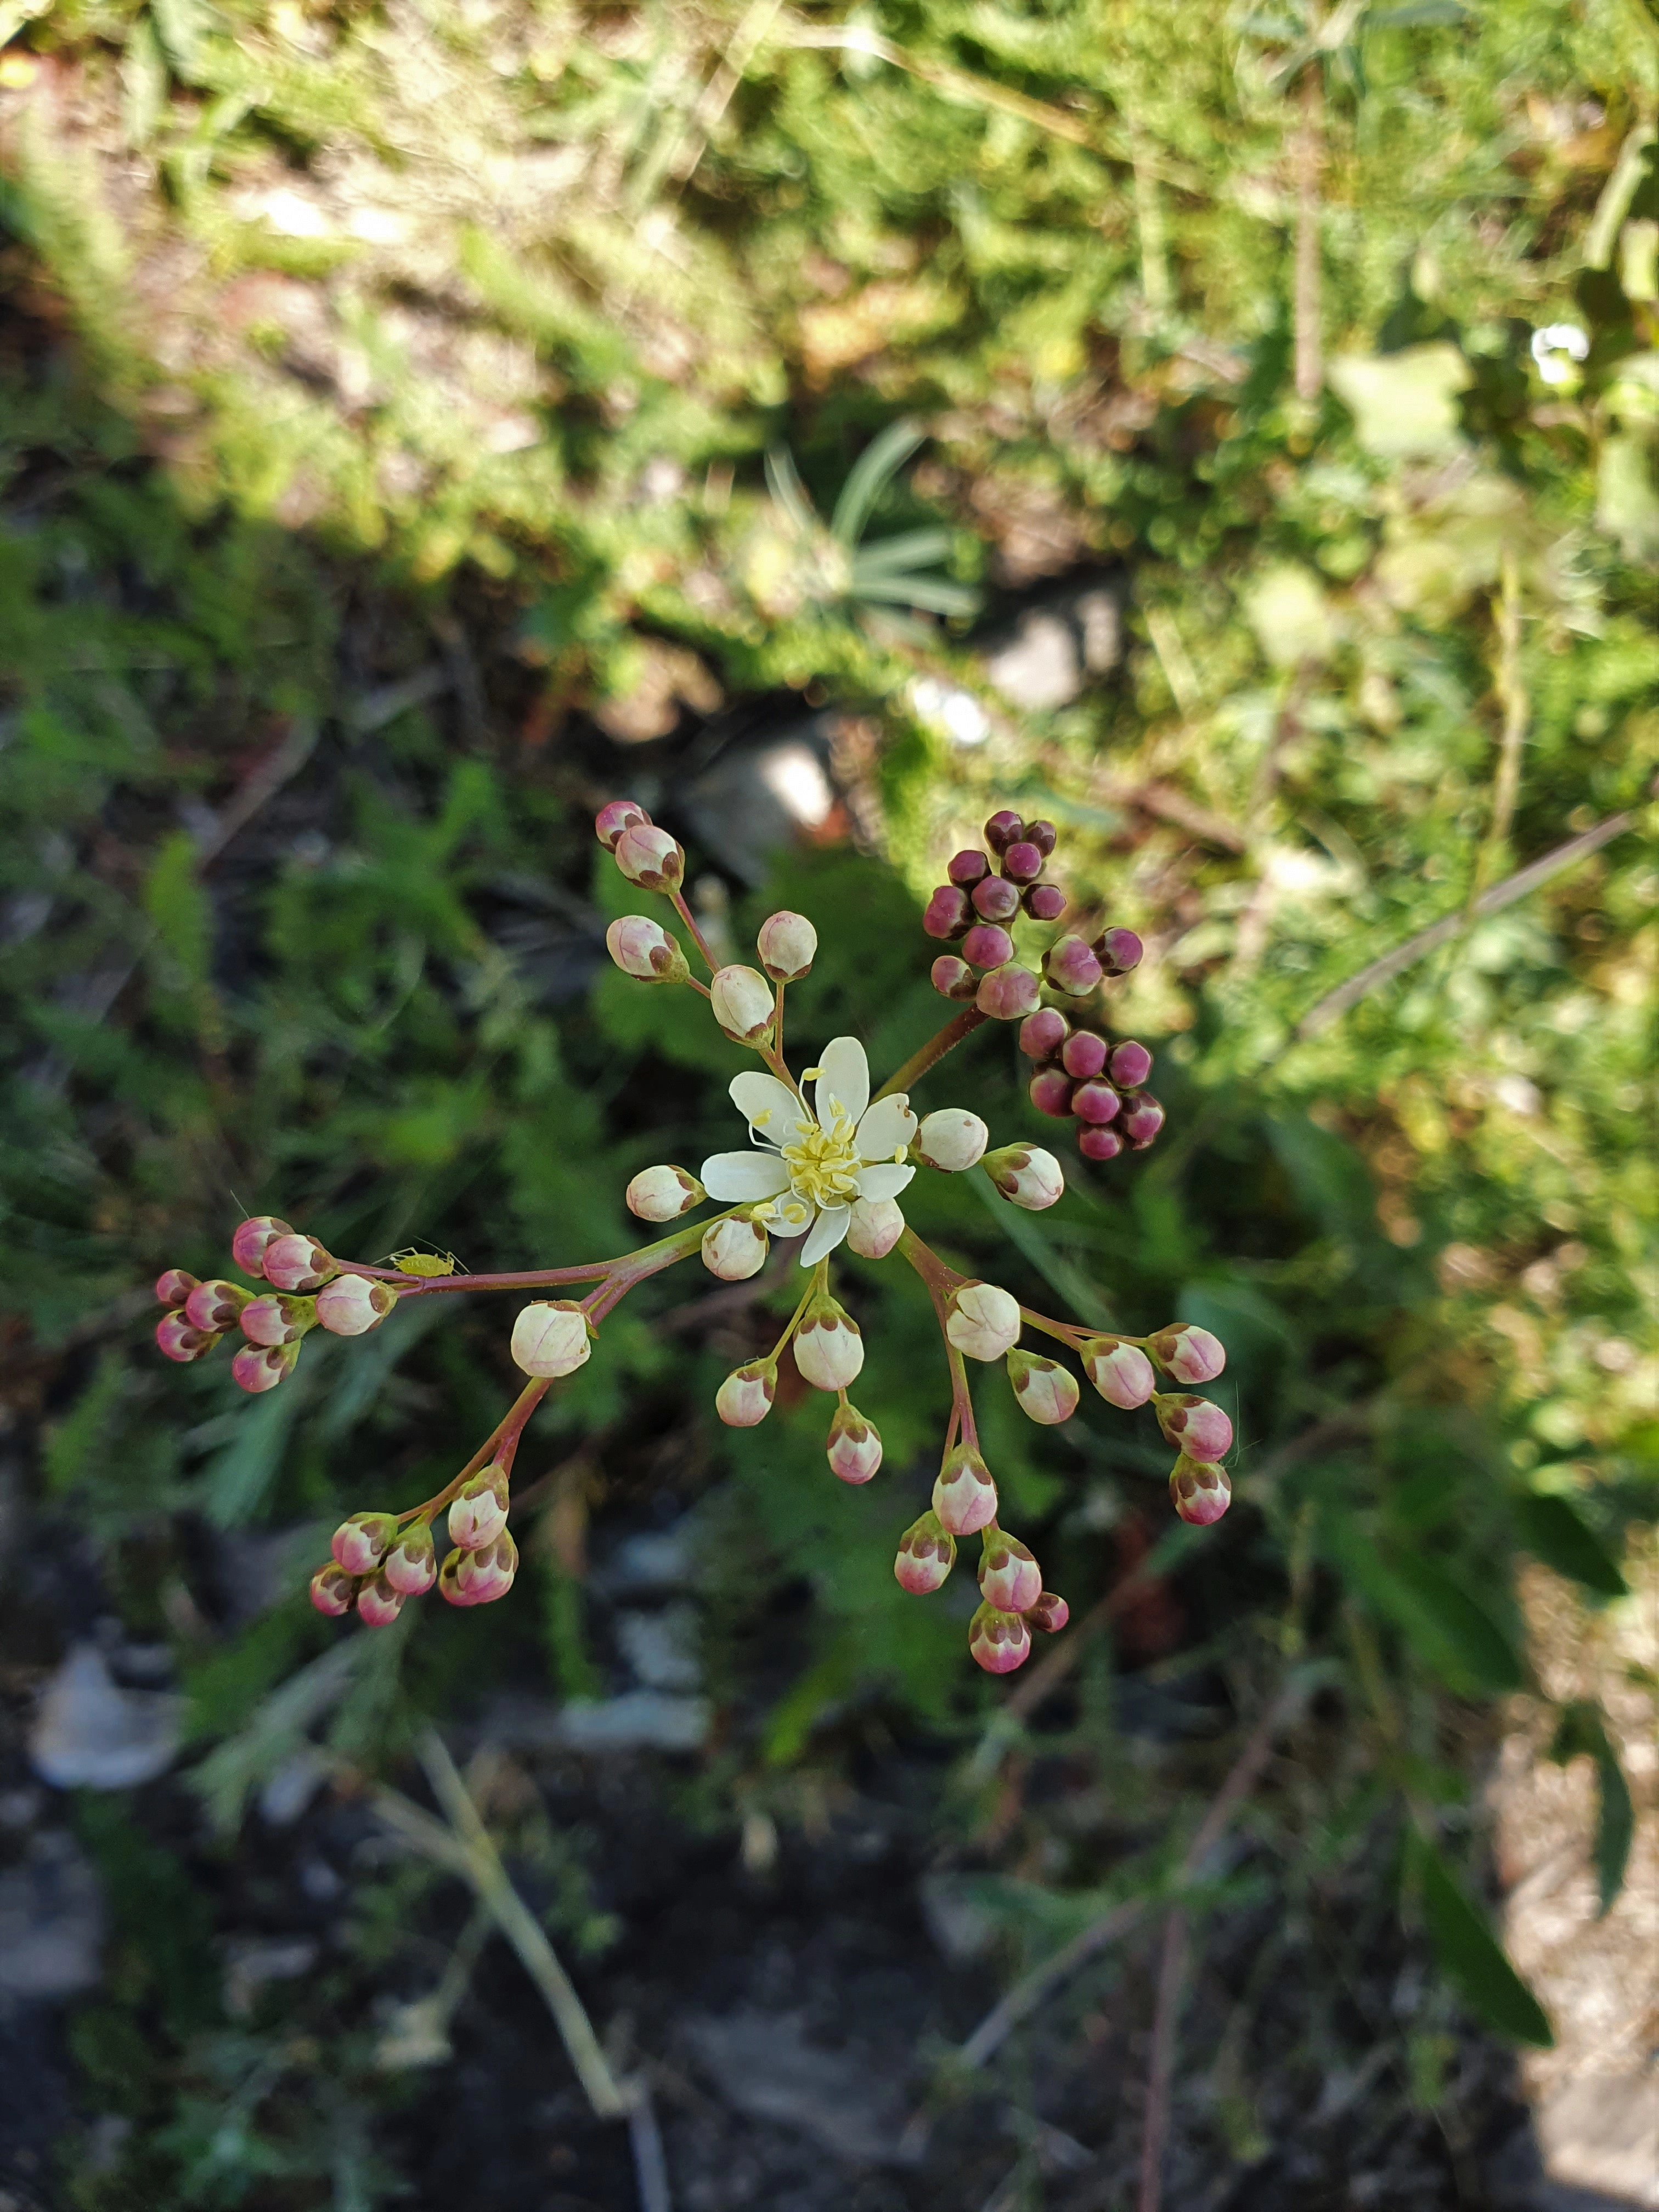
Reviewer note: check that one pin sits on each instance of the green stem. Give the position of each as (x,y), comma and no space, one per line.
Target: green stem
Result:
(929,1055)
(815,1283)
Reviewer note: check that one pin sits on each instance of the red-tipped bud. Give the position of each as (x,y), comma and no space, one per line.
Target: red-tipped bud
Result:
(964,1496)
(1097,1144)
(1120,1371)
(734,1249)
(1009,1577)
(1043,902)
(1118,950)
(378,1603)
(1131,1064)
(333,1591)
(1188,1353)
(1143,1117)
(477,1512)
(1051,1092)
(926,1553)
(1200,1492)
(1044,835)
(253,1239)
(1044,1033)
(1070,966)
(1026,1175)
(1007,993)
(1050,1613)
(948,912)
(650,857)
(299,1263)
(277,1318)
(663,1194)
(969,868)
(999,1642)
(994,899)
(1096,1103)
(787,945)
(952,978)
(829,1349)
(214,1306)
(360,1542)
(1022,863)
(173,1287)
(353,1304)
(1046,1391)
(742,1002)
(411,1564)
(987,945)
(257,1367)
(479,1577)
(744,1399)
(643,949)
(853,1445)
(1002,829)
(1083,1055)
(1197,1425)
(612,821)
(176,1339)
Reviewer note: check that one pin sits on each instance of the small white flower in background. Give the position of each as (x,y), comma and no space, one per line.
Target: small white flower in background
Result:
(813,1164)
(1550,345)
(952,1139)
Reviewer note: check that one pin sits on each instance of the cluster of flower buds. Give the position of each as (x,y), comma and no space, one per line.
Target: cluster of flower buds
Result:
(381,1559)
(309,1290)
(1082,1076)
(1012,1599)
(974,910)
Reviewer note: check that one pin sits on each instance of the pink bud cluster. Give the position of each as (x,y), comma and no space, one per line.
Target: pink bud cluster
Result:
(309,1290)
(976,909)
(1083,1076)
(1013,1600)
(381,1560)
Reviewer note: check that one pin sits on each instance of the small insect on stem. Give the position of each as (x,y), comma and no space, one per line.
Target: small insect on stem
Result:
(411,1262)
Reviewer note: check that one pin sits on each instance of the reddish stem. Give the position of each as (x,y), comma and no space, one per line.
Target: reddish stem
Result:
(962,1026)
(697,938)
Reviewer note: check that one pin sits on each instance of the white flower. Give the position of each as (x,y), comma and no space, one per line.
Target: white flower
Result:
(812,1163)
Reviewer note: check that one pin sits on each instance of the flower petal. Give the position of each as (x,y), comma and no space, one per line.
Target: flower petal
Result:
(882,1179)
(768,1106)
(826,1233)
(887,1128)
(844,1080)
(730,1176)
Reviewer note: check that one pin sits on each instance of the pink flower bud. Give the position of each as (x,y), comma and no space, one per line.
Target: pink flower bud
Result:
(1083,1055)
(1131,1065)
(258,1367)
(1022,863)
(969,868)
(651,857)
(983,1321)
(999,1642)
(411,1564)
(663,1194)
(1200,1493)
(853,1448)
(479,1577)
(1188,1353)
(744,1399)
(1121,1371)
(952,1139)
(1047,1391)
(926,1553)
(986,945)
(964,1496)
(1043,902)
(1044,1033)
(1097,1144)
(353,1304)
(741,1001)
(551,1338)
(253,1239)
(361,1541)
(621,814)
(1026,1175)
(277,1318)
(1050,1613)
(947,913)
(875,1227)
(643,949)
(1196,1426)
(1009,1577)
(176,1339)
(1044,835)
(734,1249)
(332,1591)
(1096,1102)
(173,1287)
(378,1603)
(298,1263)
(829,1348)
(214,1305)
(1002,829)
(952,978)
(786,944)
(994,899)
(477,1512)
(1051,1092)
(1070,966)
(1118,950)
(1007,993)
(449,1585)
(1143,1117)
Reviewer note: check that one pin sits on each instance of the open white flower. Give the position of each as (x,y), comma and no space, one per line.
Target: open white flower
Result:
(813,1163)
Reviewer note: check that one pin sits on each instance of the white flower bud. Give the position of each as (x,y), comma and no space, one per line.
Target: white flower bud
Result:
(477,1512)
(642,948)
(551,1338)
(352,1305)
(953,1140)
(663,1194)
(829,1349)
(964,1496)
(1026,1175)
(1046,1391)
(853,1448)
(983,1321)
(1121,1372)
(787,944)
(734,1249)
(743,1003)
(650,856)
(744,1399)
(875,1226)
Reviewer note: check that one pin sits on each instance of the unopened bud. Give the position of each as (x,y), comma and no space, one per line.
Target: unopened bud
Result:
(1070,966)
(612,821)
(277,1317)
(952,978)
(1200,1492)
(176,1339)
(1009,1576)
(787,944)
(926,1553)
(663,1194)
(987,945)
(1044,1033)
(1043,902)
(743,1003)
(964,1496)
(411,1564)
(1051,1093)
(829,1349)
(1008,994)
(744,1399)
(1121,1371)
(257,1367)
(968,868)
(650,856)
(1046,1391)
(481,1576)
(948,914)
(734,1249)
(1197,1425)
(1143,1117)
(1131,1065)
(253,1238)
(361,1541)
(1096,1103)
(874,1228)
(1022,863)
(999,1642)
(983,1320)
(853,1447)
(952,1139)
(1118,950)
(1026,1175)
(551,1338)
(332,1591)
(477,1512)
(173,1287)
(1097,1144)
(378,1603)
(299,1263)
(216,1305)
(1002,829)
(353,1304)
(1190,1354)
(1050,1613)
(1042,834)
(994,900)
(1083,1055)
(643,949)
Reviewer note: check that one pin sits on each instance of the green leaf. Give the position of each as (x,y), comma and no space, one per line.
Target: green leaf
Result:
(1552,1531)
(938,596)
(1583,1733)
(1472,1959)
(1448,1630)
(1485,1654)
(911,549)
(869,476)
(181,910)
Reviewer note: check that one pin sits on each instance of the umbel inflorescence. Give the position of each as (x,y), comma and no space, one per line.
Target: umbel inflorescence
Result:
(826,1163)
